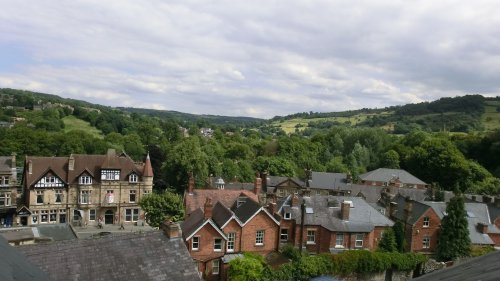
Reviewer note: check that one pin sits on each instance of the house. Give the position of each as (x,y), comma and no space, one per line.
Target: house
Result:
(217,233)
(8,190)
(422,222)
(392,177)
(85,189)
(14,266)
(157,255)
(331,223)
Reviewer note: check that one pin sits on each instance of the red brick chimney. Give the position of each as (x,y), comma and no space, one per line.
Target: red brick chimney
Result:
(483,228)
(271,208)
(257,185)
(295,200)
(207,209)
(190,183)
(171,229)
(344,211)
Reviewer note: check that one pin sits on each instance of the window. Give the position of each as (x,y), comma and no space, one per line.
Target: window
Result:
(110,175)
(426,221)
(195,243)
(110,197)
(44,217)
(39,197)
(284,234)
(426,242)
(311,237)
(241,200)
(318,192)
(131,214)
(85,180)
(217,245)
(4,181)
(231,237)
(215,267)
(5,199)
(133,178)
(146,192)
(76,215)
(85,196)
(131,197)
(62,215)
(259,238)
(53,216)
(339,240)
(281,192)
(359,240)
(92,214)
(34,217)
(49,181)
(59,196)
(288,215)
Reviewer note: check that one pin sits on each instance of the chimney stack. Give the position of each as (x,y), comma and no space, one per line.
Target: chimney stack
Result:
(190,183)
(295,200)
(393,207)
(71,163)
(408,207)
(344,211)
(207,210)
(13,160)
(487,199)
(171,229)
(271,208)
(257,185)
(483,228)
(30,167)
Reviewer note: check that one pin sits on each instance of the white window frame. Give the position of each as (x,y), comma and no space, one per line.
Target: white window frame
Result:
(132,196)
(133,178)
(259,237)
(85,180)
(426,222)
(218,245)
(215,267)
(195,243)
(231,238)
(426,242)
(40,195)
(284,234)
(339,239)
(131,214)
(44,216)
(110,175)
(58,195)
(34,218)
(359,241)
(5,199)
(86,197)
(94,215)
(52,216)
(311,237)
(288,216)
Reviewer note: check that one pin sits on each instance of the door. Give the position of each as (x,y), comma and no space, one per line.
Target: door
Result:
(109,217)
(24,221)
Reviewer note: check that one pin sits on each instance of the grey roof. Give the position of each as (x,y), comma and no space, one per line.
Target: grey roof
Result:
(370,193)
(14,266)
(192,223)
(56,232)
(246,210)
(221,214)
(385,175)
(494,212)
(418,209)
(327,180)
(48,232)
(484,268)
(146,256)
(362,216)
(5,164)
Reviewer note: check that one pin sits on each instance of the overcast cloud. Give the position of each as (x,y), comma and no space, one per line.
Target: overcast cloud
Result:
(251,58)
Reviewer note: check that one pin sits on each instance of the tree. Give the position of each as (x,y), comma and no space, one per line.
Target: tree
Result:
(399,236)
(390,159)
(249,268)
(388,241)
(161,206)
(454,240)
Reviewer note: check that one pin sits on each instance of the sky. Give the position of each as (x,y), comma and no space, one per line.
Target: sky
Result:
(251,58)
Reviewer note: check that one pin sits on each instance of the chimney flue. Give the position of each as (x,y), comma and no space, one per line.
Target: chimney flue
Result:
(207,210)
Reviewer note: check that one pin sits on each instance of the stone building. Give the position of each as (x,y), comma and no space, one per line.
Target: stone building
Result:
(8,190)
(85,189)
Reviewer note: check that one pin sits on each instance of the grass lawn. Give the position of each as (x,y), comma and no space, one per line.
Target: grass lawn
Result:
(491,118)
(72,123)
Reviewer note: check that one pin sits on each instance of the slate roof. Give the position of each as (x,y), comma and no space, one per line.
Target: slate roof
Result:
(246,210)
(327,180)
(385,175)
(14,266)
(146,256)
(91,164)
(484,268)
(192,223)
(47,232)
(226,197)
(362,216)
(418,210)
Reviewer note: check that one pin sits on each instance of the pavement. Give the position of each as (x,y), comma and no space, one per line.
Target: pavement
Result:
(83,232)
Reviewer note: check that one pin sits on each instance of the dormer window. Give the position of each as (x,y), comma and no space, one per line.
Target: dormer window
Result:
(133,178)
(241,200)
(110,175)
(288,215)
(49,181)
(85,180)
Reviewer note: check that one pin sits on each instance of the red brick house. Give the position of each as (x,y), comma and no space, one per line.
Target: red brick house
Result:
(331,223)
(392,177)
(220,229)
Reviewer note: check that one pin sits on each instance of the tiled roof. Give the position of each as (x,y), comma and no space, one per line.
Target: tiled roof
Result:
(362,216)
(246,210)
(225,197)
(192,223)
(148,168)
(91,164)
(14,266)
(147,256)
(385,175)
(221,214)
(327,180)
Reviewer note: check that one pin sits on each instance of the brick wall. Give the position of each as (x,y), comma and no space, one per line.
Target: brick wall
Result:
(271,231)
(418,232)
(233,226)
(205,251)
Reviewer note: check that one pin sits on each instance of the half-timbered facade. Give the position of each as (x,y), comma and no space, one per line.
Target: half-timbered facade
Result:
(86,189)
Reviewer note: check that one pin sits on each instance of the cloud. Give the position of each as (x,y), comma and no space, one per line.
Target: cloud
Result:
(254,58)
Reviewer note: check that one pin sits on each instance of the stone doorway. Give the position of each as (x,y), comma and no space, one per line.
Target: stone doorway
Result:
(109,216)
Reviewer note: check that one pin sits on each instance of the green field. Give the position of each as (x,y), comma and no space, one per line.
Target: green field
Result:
(71,123)
(491,118)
